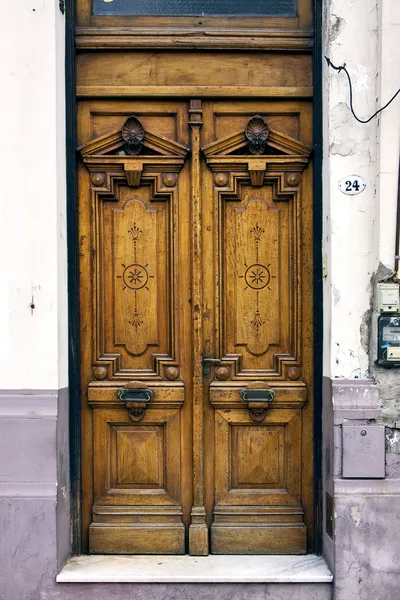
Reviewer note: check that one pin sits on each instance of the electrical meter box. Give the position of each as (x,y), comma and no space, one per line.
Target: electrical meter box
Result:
(388,297)
(388,341)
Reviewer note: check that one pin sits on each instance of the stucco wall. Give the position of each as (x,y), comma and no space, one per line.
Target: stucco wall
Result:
(34,344)
(34,457)
(359,244)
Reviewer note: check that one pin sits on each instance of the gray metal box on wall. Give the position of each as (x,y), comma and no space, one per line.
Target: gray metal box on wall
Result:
(363,454)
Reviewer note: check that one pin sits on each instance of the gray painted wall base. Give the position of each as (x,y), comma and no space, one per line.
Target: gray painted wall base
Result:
(364,551)
(189,591)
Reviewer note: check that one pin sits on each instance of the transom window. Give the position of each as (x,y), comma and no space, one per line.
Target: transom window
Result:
(270,8)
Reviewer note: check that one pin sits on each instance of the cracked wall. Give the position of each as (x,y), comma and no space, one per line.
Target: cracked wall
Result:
(359,249)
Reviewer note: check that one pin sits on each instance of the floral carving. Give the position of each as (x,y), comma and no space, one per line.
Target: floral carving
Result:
(257,321)
(257,231)
(135,233)
(135,276)
(257,132)
(257,276)
(133,135)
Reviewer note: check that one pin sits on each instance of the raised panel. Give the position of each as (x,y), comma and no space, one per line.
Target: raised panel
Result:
(137,456)
(137,500)
(134,280)
(257,463)
(257,459)
(258,484)
(137,464)
(258,278)
(136,286)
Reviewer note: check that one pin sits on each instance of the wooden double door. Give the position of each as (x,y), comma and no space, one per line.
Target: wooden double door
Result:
(195,220)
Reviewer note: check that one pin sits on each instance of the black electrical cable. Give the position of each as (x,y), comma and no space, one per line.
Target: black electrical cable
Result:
(343,68)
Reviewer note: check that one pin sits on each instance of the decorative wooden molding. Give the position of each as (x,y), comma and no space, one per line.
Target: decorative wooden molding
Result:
(183,91)
(256,286)
(198,530)
(279,141)
(121,157)
(257,171)
(113,141)
(133,173)
(119,38)
(226,394)
(125,149)
(166,394)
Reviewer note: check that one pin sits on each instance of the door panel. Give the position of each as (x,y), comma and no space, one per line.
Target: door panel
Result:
(257,286)
(136,320)
(196,243)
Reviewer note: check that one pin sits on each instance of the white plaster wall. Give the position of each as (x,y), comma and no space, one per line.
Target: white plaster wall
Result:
(389,128)
(359,230)
(33,347)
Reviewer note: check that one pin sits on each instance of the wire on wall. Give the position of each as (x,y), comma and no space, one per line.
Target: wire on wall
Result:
(343,68)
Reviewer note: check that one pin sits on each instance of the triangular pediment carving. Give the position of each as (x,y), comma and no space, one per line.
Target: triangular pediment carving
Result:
(132,151)
(132,139)
(258,140)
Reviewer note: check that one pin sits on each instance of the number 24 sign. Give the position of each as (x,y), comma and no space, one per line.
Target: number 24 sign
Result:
(352,185)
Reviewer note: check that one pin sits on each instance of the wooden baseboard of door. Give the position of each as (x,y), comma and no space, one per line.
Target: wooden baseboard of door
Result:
(136,539)
(258,539)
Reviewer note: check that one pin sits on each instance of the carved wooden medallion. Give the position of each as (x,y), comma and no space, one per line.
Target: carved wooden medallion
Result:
(133,135)
(257,132)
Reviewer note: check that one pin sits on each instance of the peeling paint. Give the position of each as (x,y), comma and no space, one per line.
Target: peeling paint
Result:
(336,294)
(392,440)
(356,515)
(365,328)
(336,26)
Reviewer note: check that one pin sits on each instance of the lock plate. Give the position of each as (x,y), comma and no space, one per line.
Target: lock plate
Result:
(135,394)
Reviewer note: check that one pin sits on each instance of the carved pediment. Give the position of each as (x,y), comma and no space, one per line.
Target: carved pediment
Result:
(256,150)
(133,149)
(257,139)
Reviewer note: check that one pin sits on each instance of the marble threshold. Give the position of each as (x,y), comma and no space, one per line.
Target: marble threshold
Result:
(195,569)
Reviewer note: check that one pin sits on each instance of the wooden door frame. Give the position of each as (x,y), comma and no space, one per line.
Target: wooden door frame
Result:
(73,275)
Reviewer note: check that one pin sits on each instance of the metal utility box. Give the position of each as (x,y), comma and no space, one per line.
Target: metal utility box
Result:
(363,454)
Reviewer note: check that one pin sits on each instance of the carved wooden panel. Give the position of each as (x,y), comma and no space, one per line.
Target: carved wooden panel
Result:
(135,191)
(137,456)
(257,468)
(257,456)
(245,447)
(132,459)
(257,194)
(256,277)
(135,475)
(137,484)
(257,297)
(138,272)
